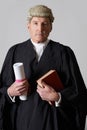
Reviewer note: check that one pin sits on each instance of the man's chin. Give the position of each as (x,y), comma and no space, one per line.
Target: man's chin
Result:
(41,40)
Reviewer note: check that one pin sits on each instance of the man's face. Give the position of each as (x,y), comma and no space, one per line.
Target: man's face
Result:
(39,29)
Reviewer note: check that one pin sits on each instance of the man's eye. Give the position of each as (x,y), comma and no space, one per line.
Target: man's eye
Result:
(35,23)
(45,24)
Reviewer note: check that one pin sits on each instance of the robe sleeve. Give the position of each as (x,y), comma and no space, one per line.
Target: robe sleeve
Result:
(2,104)
(7,75)
(75,89)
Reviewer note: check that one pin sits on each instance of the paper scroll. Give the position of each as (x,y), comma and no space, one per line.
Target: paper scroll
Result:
(19,76)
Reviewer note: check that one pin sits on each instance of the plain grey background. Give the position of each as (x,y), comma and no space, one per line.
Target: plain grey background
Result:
(69,27)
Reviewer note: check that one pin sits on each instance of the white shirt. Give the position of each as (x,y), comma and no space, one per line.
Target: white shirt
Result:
(39,48)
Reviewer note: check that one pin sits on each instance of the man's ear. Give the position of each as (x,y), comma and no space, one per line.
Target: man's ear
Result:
(28,25)
(51,28)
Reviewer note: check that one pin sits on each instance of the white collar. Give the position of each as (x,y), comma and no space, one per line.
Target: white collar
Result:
(39,48)
(42,44)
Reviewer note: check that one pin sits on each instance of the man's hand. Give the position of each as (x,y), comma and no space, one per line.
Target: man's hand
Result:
(47,93)
(18,88)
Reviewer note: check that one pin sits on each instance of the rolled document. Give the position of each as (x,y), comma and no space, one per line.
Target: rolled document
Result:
(19,76)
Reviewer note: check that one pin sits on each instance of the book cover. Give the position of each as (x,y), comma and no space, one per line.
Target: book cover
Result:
(52,78)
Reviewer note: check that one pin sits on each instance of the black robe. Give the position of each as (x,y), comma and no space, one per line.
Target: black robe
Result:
(36,114)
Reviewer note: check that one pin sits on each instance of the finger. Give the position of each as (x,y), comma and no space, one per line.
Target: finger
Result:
(39,87)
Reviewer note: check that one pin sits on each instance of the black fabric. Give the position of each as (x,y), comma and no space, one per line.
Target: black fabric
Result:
(2,104)
(36,114)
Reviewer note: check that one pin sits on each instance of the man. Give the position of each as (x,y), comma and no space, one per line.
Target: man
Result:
(39,55)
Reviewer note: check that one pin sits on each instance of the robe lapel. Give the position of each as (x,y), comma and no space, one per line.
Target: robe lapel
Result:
(46,62)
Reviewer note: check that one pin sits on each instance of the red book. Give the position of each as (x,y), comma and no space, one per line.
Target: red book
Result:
(51,78)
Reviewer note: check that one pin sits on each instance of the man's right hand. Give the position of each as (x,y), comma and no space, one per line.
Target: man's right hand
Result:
(19,88)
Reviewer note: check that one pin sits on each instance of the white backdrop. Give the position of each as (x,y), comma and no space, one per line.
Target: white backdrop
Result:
(69,27)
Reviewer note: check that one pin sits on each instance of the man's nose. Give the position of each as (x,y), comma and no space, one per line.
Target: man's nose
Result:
(40,27)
